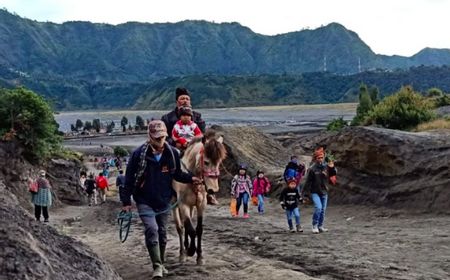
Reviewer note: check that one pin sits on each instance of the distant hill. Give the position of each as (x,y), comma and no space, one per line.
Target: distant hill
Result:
(82,65)
(142,51)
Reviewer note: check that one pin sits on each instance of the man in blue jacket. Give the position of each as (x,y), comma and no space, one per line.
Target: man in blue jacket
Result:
(149,175)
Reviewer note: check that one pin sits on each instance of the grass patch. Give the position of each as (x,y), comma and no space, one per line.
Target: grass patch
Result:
(435,124)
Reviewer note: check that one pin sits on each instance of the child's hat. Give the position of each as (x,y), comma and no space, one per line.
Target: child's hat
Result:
(185,110)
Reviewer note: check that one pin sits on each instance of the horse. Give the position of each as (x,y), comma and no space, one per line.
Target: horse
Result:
(202,160)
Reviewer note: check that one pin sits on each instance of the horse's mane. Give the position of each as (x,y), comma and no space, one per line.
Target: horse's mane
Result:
(214,150)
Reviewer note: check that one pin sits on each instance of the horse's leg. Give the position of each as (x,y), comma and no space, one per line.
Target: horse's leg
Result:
(189,231)
(180,228)
(200,211)
(192,234)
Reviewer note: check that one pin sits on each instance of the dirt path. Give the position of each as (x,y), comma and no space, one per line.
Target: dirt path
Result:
(363,243)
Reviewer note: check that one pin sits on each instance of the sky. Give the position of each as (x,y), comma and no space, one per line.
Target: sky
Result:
(401,27)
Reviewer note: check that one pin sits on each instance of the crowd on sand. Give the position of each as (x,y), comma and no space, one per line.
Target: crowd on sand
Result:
(152,167)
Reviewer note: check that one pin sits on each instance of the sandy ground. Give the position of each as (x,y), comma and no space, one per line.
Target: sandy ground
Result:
(363,243)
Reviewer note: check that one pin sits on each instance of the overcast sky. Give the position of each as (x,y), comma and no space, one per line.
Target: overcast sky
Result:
(401,27)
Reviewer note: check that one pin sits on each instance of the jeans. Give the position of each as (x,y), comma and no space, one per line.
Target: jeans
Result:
(243,198)
(155,227)
(293,212)
(260,203)
(320,204)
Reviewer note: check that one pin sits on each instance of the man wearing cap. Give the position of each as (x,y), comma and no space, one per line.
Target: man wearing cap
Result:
(149,175)
(183,99)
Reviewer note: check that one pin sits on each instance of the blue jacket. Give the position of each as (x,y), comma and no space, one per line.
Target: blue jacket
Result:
(157,189)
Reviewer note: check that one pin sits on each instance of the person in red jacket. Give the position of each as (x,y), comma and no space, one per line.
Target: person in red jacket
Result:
(102,185)
(185,129)
(261,186)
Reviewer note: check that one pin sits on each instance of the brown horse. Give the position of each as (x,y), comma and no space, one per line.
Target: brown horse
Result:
(203,161)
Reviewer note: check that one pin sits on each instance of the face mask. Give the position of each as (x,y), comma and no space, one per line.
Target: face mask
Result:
(261,175)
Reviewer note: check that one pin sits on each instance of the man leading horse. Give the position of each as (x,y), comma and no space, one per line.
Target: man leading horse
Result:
(149,175)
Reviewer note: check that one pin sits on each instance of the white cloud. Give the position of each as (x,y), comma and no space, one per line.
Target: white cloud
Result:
(388,26)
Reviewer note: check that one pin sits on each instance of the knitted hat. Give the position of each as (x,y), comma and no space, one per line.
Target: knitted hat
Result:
(181,91)
(185,110)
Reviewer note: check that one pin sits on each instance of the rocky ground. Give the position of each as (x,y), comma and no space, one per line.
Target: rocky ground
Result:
(388,217)
(363,243)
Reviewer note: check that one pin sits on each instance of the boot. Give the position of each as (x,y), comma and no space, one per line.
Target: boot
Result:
(162,252)
(155,256)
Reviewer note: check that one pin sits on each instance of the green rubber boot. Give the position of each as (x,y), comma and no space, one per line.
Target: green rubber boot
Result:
(155,256)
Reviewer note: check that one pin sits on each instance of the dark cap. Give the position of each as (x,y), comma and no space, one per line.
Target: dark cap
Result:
(181,91)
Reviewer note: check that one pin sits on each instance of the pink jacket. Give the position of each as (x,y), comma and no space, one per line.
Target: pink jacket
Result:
(261,186)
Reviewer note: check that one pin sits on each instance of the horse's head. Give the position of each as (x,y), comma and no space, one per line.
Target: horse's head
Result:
(206,157)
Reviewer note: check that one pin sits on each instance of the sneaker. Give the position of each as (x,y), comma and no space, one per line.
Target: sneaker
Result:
(292,230)
(299,228)
(235,215)
(211,199)
(315,229)
(46,221)
(322,229)
(165,271)
(246,216)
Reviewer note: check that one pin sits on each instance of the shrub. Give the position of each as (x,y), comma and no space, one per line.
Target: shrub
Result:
(120,151)
(404,110)
(28,118)
(337,124)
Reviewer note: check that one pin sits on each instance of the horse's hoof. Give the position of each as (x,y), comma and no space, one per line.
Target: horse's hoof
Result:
(200,261)
(183,258)
(191,251)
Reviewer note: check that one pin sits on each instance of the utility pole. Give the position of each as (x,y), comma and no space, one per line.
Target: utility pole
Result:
(359,65)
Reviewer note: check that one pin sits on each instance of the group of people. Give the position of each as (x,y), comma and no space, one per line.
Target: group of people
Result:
(320,175)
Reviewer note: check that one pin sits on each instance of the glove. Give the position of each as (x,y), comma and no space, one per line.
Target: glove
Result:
(283,205)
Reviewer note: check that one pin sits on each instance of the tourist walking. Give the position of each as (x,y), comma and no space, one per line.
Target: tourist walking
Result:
(261,186)
(91,189)
(316,187)
(42,199)
(290,199)
(241,189)
(103,186)
(149,175)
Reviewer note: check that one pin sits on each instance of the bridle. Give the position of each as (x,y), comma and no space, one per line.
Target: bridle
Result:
(205,172)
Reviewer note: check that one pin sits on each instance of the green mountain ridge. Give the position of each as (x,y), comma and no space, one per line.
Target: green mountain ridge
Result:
(82,65)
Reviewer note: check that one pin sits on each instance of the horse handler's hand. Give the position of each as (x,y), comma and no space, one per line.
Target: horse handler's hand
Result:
(126,208)
(196,180)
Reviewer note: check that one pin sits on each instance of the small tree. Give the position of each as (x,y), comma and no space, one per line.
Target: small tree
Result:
(78,124)
(120,151)
(374,94)
(87,125)
(403,110)
(73,128)
(364,107)
(140,123)
(96,125)
(337,124)
(123,123)
(27,117)
(434,92)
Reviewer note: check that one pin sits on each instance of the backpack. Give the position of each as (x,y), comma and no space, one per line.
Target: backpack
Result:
(33,186)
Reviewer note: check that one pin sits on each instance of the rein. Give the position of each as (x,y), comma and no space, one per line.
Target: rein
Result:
(124,219)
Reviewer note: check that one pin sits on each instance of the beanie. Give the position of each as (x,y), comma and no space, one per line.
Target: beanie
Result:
(181,91)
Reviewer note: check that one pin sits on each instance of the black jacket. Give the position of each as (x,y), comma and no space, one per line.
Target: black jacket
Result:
(317,179)
(172,117)
(157,189)
(290,197)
